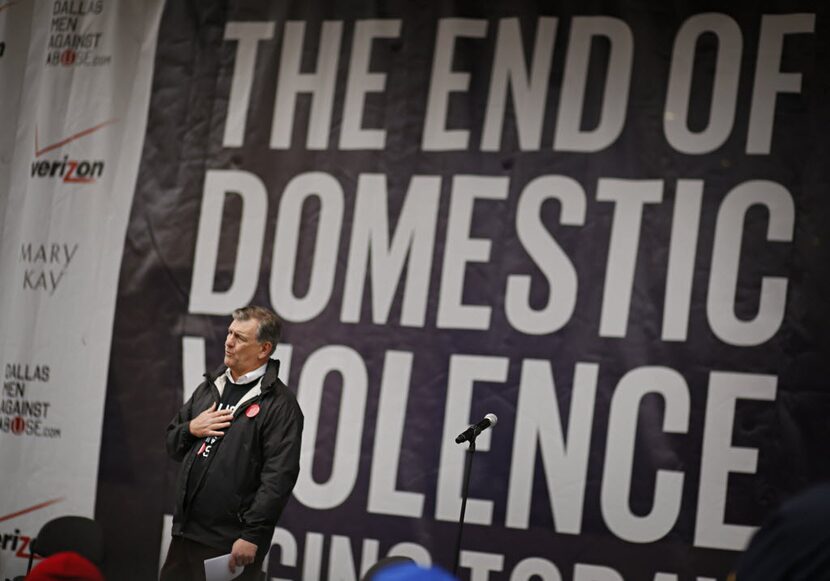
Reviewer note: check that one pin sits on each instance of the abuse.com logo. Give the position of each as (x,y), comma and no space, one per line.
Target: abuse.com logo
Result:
(66,168)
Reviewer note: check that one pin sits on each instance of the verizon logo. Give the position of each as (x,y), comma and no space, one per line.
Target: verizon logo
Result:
(4,5)
(16,542)
(68,169)
(71,171)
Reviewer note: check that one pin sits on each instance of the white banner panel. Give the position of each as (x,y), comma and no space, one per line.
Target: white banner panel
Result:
(76,80)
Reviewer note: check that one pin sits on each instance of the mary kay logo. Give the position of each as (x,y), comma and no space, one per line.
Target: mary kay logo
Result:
(67,169)
(46,265)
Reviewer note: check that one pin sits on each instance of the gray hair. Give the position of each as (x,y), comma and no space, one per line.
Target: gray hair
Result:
(269,326)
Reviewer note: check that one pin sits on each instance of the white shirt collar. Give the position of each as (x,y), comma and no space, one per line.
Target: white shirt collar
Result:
(248,377)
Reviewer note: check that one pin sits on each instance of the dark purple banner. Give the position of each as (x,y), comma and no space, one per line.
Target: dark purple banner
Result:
(606,223)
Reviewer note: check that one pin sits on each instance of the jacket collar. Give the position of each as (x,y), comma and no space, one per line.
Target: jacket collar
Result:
(269,380)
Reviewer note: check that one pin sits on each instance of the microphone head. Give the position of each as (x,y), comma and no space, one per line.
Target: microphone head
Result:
(493,419)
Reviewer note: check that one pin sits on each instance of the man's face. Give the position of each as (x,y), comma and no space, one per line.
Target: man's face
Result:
(243,353)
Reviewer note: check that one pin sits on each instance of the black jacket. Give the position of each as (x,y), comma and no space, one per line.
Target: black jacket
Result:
(250,472)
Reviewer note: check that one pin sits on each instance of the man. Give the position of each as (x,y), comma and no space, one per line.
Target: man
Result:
(239,439)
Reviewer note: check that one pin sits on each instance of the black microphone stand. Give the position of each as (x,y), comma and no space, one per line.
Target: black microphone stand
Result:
(465,491)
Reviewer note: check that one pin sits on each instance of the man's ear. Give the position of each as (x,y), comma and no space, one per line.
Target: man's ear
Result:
(267,347)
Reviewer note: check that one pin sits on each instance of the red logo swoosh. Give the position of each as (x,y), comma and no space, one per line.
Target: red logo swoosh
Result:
(30,509)
(62,142)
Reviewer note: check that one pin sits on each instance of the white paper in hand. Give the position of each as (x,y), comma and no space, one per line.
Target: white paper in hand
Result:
(216,569)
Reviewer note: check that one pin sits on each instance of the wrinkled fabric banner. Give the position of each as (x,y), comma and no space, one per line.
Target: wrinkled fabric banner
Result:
(604,223)
(75,91)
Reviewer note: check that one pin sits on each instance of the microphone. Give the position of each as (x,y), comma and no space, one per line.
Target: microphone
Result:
(470,433)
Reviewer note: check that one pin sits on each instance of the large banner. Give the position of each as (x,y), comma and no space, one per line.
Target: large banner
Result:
(75,82)
(604,223)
